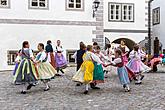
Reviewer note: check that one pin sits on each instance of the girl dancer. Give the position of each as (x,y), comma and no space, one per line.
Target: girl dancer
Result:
(26,73)
(50,52)
(136,65)
(78,55)
(61,62)
(124,50)
(17,61)
(98,74)
(85,73)
(45,69)
(121,70)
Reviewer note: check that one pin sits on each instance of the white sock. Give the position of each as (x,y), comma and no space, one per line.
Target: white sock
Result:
(86,87)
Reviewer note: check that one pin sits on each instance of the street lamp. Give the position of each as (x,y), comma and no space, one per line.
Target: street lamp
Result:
(95,7)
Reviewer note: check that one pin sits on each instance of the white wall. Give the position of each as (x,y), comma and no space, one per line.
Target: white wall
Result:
(158,30)
(19,10)
(12,37)
(139,16)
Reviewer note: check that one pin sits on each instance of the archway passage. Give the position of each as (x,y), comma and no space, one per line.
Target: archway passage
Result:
(129,43)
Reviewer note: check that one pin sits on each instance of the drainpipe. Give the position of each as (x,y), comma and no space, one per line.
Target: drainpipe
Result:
(149,26)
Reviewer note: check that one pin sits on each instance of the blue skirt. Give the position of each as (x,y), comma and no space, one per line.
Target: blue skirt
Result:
(123,75)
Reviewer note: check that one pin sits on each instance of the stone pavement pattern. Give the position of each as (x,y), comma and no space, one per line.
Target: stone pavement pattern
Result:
(64,95)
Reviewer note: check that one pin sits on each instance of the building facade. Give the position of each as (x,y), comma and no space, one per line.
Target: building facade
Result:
(71,21)
(158,23)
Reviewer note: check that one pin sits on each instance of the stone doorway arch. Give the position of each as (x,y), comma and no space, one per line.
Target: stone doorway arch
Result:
(130,43)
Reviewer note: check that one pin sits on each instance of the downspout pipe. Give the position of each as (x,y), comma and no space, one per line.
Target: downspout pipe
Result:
(149,26)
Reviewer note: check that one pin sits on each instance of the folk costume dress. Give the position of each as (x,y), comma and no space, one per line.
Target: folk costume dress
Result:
(122,71)
(98,74)
(51,55)
(17,61)
(26,72)
(124,50)
(61,62)
(110,54)
(85,73)
(45,70)
(135,64)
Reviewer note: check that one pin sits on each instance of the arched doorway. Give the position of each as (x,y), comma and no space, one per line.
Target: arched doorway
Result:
(129,43)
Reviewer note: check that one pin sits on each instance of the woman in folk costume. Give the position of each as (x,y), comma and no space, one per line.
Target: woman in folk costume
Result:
(85,73)
(45,70)
(17,61)
(121,70)
(98,74)
(26,72)
(61,62)
(136,65)
(109,52)
(124,50)
(51,53)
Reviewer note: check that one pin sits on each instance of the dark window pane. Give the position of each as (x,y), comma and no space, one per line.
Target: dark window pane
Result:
(117,17)
(71,1)
(71,5)
(78,5)
(42,4)
(78,1)
(111,12)
(34,4)
(111,17)
(4,2)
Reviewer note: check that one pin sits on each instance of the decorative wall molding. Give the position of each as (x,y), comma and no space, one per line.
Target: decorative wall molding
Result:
(125,31)
(48,22)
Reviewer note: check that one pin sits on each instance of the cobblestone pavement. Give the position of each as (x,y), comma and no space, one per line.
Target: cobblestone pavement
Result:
(64,95)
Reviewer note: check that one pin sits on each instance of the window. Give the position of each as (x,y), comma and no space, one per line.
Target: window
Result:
(11,55)
(4,3)
(75,5)
(115,12)
(38,4)
(156,16)
(121,12)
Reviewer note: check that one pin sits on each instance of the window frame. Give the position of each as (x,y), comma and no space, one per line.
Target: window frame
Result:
(74,9)
(121,12)
(153,16)
(6,6)
(39,7)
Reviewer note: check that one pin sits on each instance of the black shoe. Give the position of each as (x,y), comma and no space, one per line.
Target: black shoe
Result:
(95,88)
(29,86)
(142,77)
(124,86)
(78,84)
(23,92)
(138,83)
(86,92)
(46,89)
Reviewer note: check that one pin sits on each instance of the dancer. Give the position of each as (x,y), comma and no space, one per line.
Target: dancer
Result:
(121,70)
(136,65)
(79,57)
(45,69)
(124,50)
(61,62)
(98,74)
(85,73)
(26,73)
(17,61)
(50,52)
